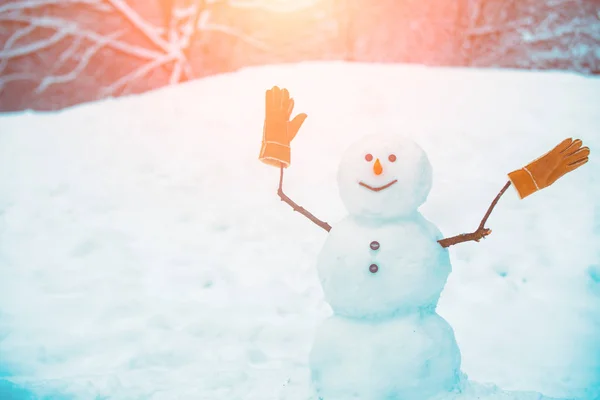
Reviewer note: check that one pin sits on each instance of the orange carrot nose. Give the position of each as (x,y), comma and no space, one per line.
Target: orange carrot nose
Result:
(377,168)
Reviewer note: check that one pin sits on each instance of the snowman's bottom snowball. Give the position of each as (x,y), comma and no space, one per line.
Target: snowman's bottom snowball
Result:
(409,357)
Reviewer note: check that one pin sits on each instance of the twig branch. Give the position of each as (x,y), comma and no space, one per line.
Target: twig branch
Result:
(4,79)
(184,23)
(492,29)
(491,207)
(136,74)
(141,25)
(185,36)
(296,207)
(176,74)
(192,25)
(35,46)
(69,52)
(481,232)
(11,41)
(18,34)
(74,30)
(29,4)
(74,73)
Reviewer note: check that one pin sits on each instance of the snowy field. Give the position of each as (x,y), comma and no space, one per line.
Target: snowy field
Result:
(144,253)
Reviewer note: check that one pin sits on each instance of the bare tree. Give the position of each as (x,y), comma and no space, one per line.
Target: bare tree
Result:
(558,34)
(166,46)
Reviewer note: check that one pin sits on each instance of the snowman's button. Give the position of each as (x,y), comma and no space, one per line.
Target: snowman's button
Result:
(373,268)
(374,245)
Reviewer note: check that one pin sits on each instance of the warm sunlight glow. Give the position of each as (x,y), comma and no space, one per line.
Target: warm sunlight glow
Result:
(288,5)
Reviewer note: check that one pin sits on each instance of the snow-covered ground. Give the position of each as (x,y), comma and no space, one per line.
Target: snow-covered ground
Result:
(144,253)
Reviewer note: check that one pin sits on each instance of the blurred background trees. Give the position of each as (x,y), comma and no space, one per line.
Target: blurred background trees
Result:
(57,53)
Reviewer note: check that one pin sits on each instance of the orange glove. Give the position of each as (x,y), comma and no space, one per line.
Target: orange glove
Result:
(278,130)
(544,171)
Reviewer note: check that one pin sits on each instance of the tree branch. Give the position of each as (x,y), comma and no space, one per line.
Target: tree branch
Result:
(492,29)
(141,25)
(29,4)
(185,22)
(83,62)
(4,79)
(69,52)
(296,207)
(481,232)
(35,46)
(185,36)
(75,30)
(176,74)
(11,41)
(137,73)
(191,27)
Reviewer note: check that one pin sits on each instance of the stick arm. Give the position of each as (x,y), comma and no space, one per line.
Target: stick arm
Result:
(481,231)
(298,208)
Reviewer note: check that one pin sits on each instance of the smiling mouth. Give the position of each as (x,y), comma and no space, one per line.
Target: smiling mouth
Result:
(377,189)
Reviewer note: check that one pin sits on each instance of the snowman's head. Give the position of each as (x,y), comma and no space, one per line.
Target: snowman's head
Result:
(384,176)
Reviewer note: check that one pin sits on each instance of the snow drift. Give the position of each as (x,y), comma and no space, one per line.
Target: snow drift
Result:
(144,252)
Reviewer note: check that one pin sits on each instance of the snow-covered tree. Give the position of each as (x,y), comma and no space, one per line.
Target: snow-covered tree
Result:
(66,35)
(549,34)
(55,53)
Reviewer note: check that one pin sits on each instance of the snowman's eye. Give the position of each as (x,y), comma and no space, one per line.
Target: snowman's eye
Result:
(369,157)
(392,157)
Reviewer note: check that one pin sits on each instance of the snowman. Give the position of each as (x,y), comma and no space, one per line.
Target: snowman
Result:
(382,272)
(384,266)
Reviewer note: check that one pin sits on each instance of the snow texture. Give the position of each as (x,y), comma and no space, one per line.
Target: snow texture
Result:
(144,253)
(408,357)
